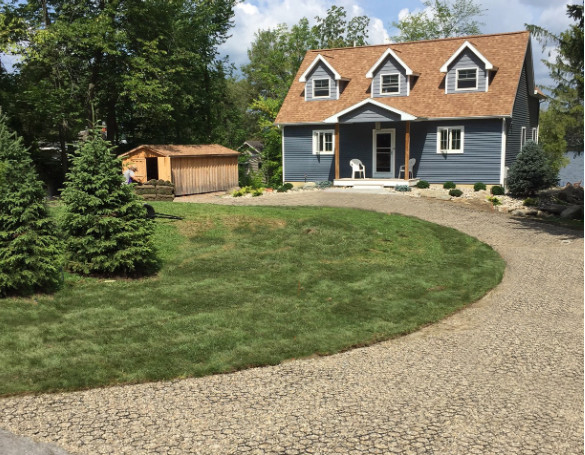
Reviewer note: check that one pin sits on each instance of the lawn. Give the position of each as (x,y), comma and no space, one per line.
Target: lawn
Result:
(242,287)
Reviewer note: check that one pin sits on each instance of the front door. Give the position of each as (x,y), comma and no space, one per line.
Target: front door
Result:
(384,143)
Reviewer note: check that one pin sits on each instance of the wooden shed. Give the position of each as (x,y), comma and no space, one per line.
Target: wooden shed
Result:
(191,168)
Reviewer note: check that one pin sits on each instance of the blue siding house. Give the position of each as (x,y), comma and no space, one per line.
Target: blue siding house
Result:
(461,107)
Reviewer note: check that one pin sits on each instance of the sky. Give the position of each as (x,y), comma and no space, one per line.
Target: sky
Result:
(500,16)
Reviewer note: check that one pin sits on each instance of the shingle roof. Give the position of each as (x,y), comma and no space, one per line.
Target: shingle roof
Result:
(427,97)
(185,150)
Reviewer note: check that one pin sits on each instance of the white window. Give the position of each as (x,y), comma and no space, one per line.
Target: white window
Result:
(523,138)
(467,79)
(450,139)
(321,88)
(389,83)
(535,135)
(323,142)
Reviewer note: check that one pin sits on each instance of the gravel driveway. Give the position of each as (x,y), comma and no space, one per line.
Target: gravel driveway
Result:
(503,376)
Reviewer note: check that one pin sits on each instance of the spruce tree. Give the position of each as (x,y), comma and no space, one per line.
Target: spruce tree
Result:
(107,233)
(531,172)
(30,259)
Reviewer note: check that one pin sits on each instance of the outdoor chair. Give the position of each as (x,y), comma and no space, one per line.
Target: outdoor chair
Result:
(411,163)
(357,166)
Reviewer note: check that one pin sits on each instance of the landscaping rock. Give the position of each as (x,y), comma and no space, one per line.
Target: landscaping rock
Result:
(571,194)
(555,209)
(573,212)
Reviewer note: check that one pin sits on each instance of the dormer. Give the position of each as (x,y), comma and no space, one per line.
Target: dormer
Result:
(322,81)
(467,70)
(390,76)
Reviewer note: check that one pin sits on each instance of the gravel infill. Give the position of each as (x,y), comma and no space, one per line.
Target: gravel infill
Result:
(503,376)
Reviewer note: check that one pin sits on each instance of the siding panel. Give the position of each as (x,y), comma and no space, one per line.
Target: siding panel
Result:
(300,165)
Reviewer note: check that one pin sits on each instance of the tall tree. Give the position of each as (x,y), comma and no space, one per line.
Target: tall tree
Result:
(275,57)
(29,248)
(440,19)
(562,124)
(148,69)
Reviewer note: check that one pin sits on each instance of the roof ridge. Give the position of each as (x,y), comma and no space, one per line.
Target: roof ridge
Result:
(451,38)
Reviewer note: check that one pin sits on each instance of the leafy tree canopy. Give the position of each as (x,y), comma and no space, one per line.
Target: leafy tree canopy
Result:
(562,126)
(440,19)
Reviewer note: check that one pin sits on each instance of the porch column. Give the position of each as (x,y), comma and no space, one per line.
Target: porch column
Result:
(337,151)
(406,150)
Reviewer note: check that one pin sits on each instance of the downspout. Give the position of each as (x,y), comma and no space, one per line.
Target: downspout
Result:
(406,152)
(337,151)
(503,152)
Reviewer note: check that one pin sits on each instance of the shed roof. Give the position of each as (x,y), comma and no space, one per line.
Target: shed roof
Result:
(427,98)
(182,151)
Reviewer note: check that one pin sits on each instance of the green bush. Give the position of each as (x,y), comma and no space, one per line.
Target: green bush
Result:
(531,172)
(455,193)
(284,188)
(29,248)
(449,185)
(257,192)
(107,232)
(422,184)
(479,186)
(530,202)
(494,200)
(324,184)
(402,188)
(497,190)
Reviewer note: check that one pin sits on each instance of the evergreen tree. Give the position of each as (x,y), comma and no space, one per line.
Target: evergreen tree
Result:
(105,221)
(531,172)
(29,248)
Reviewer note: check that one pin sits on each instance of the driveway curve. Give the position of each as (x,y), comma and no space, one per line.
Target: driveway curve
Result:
(503,376)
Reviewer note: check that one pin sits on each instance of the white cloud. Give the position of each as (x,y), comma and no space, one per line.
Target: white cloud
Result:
(254,15)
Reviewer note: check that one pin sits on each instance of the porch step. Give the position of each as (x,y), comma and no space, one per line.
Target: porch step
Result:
(378,183)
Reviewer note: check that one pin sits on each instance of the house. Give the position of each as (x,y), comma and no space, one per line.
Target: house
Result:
(192,169)
(252,150)
(461,107)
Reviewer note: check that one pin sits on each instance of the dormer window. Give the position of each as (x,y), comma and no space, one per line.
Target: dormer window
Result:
(389,84)
(467,79)
(321,88)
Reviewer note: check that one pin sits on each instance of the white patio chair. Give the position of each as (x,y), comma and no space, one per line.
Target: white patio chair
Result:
(411,163)
(357,166)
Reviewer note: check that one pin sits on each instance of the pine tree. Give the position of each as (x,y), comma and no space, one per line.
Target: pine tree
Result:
(531,172)
(105,223)
(30,259)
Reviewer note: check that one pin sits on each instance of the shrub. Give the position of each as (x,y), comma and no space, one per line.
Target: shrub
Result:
(257,192)
(284,188)
(479,186)
(455,193)
(422,184)
(531,172)
(497,190)
(105,222)
(449,185)
(530,202)
(494,200)
(402,188)
(324,184)
(29,248)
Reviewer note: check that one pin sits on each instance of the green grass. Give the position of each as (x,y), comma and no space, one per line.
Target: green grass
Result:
(242,287)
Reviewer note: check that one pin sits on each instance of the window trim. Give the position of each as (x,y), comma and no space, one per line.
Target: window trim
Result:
(328,88)
(315,147)
(523,137)
(535,135)
(457,70)
(382,93)
(450,151)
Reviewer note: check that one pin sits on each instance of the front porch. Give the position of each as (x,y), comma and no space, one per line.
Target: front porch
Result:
(374,182)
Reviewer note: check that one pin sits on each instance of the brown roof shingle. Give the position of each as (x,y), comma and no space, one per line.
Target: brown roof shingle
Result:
(427,97)
(185,150)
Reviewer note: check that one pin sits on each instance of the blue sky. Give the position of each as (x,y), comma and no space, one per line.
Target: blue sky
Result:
(500,16)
